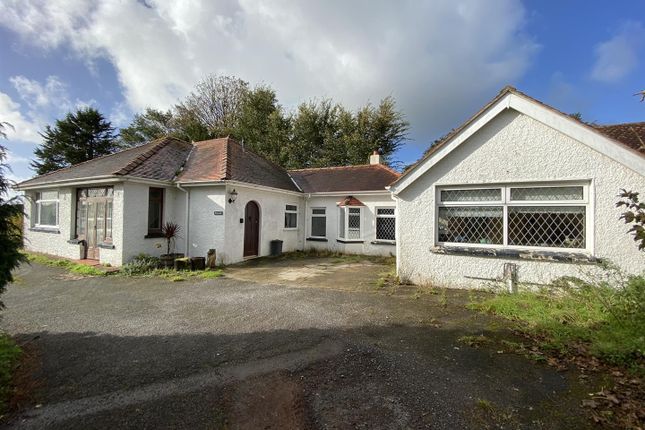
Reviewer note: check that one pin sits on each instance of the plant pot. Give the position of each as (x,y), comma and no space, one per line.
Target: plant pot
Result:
(197,263)
(168,260)
(182,263)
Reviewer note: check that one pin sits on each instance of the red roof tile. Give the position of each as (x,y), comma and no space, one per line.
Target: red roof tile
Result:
(351,201)
(631,134)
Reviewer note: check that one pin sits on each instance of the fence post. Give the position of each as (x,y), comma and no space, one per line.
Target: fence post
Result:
(510,277)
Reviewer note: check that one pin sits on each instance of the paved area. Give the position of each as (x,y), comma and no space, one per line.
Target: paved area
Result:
(120,352)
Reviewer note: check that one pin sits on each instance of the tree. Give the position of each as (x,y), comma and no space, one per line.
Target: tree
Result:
(149,125)
(10,230)
(634,214)
(79,137)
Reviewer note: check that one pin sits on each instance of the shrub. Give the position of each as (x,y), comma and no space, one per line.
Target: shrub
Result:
(140,265)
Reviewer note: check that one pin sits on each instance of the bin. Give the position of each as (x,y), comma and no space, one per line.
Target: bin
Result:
(197,263)
(276,248)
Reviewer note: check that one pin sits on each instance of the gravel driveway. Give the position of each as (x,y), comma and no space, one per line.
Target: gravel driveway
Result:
(122,352)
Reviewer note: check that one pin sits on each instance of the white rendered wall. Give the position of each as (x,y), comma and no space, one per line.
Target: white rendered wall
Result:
(272,206)
(514,148)
(56,241)
(330,203)
(206,229)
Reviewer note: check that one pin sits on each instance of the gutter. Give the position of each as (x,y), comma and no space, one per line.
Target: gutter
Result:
(187,218)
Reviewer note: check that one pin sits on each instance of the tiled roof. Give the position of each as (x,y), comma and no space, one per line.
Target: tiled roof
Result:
(225,159)
(631,134)
(159,159)
(368,177)
(351,201)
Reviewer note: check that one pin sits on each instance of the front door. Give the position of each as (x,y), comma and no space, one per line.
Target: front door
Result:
(251,229)
(92,224)
(94,218)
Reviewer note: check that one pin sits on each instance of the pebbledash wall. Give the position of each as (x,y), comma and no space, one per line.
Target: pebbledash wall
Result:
(514,148)
(368,244)
(55,241)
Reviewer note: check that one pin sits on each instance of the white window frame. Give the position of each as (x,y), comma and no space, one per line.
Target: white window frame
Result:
(346,224)
(38,204)
(505,202)
(312,216)
(377,216)
(290,211)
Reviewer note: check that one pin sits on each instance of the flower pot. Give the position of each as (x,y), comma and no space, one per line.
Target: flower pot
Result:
(168,260)
(182,263)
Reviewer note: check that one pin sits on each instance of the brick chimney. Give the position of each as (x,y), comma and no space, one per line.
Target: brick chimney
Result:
(375,158)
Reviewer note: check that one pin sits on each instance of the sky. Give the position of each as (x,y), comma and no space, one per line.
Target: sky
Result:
(441,60)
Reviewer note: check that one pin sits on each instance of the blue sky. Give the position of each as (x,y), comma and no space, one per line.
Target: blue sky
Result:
(441,61)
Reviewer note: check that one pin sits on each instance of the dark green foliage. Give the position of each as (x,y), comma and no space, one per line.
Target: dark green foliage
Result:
(79,137)
(318,134)
(634,214)
(10,231)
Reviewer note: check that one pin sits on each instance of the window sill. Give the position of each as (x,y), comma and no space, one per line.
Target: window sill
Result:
(54,230)
(290,228)
(349,241)
(553,256)
(105,246)
(153,236)
(383,242)
(317,239)
(74,241)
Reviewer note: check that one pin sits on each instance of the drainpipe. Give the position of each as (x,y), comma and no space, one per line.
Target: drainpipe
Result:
(187,218)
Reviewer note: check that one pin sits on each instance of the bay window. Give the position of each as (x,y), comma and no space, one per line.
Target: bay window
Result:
(350,223)
(46,209)
(541,216)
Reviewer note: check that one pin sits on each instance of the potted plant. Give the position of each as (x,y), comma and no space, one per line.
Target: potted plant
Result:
(170,232)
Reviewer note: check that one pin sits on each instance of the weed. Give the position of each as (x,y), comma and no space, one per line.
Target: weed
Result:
(9,353)
(72,267)
(474,341)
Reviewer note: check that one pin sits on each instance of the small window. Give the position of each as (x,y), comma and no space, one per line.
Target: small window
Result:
(291,216)
(155,210)
(46,209)
(385,224)
(318,222)
(474,195)
(547,193)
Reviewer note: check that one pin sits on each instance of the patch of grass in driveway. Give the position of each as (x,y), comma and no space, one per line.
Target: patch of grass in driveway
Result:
(337,257)
(9,353)
(76,268)
(179,276)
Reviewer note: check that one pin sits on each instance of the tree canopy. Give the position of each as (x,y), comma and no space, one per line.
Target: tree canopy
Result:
(317,134)
(80,136)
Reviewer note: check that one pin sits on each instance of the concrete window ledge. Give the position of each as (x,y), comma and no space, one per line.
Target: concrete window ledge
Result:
(316,239)
(74,241)
(106,245)
(45,230)
(382,242)
(153,236)
(348,241)
(554,256)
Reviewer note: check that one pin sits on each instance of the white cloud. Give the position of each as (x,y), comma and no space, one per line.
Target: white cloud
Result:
(24,129)
(437,59)
(618,56)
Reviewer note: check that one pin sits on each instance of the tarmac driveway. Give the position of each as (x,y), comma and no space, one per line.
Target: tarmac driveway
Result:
(121,352)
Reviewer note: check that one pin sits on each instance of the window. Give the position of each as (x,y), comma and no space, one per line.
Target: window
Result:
(291,216)
(318,222)
(46,209)
(385,224)
(155,210)
(349,224)
(515,216)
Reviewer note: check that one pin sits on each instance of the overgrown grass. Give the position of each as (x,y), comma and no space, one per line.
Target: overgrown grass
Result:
(337,257)
(9,354)
(605,318)
(79,269)
(183,275)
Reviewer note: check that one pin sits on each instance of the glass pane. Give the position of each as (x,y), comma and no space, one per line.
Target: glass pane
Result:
(483,225)
(355,211)
(108,220)
(558,227)
(385,211)
(320,211)
(319,226)
(48,213)
(49,195)
(341,223)
(290,220)
(547,193)
(354,225)
(480,195)
(100,222)
(292,208)
(385,228)
(81,218)
(156,193)
(154,215)
(96,192)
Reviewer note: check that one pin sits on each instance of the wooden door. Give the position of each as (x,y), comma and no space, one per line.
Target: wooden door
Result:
(251,229)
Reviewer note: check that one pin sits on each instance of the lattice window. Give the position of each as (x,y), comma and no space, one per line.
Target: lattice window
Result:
(385,224)
(535,216)
(474,195)
(547,193)
(483,225)
(354,224)
(551,226)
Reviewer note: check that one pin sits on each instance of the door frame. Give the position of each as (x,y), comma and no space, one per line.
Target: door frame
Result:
(257,234)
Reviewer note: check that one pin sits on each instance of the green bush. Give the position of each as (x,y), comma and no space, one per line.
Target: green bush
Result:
(605,312)
(142,264)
